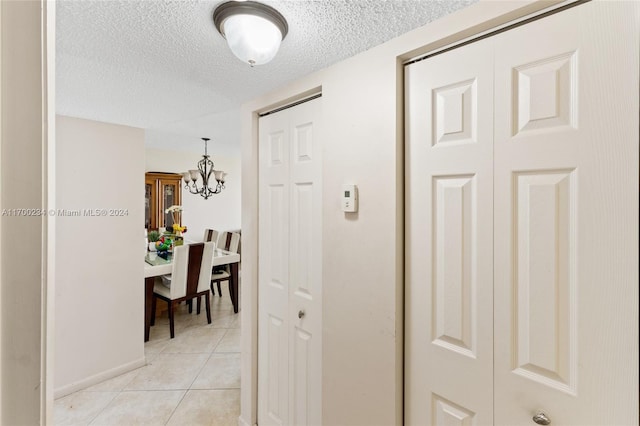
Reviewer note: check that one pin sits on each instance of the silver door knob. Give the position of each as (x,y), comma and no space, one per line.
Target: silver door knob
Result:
(541,419)
(301,314)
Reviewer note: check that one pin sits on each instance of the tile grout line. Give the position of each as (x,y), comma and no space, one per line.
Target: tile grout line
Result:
(116,396)
(103,408)
(230,325)
(197,375)
(176,407)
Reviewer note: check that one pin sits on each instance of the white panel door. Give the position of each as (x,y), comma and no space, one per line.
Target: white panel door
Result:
(290,267)
(563,227)
(566,218)
(449,291)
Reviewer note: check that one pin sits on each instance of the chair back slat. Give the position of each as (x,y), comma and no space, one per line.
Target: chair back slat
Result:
(193,270)
(210,235)
(229,241)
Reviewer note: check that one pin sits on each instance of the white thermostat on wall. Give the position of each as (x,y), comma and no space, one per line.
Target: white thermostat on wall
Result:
(349,198)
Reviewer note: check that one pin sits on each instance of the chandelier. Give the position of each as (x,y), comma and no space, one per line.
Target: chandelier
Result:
(205,168)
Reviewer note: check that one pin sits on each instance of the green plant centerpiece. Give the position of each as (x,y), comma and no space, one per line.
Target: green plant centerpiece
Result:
(153,236)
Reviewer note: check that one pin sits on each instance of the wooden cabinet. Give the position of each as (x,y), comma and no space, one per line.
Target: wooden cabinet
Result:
(162,190)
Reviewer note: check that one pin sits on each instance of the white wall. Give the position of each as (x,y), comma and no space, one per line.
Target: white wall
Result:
(363,286)
(99,277)
(221,211)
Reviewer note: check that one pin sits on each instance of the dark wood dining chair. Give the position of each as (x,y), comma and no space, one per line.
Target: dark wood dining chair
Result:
(229,241)
(190,278)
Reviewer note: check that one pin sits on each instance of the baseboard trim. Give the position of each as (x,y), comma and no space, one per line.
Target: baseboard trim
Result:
(98,378)
(241,422)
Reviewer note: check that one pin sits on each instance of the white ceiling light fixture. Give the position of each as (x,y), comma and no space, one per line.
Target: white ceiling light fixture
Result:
(253,30)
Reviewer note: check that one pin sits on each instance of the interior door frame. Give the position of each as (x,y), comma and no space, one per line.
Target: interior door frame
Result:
(37,22)
(442,34)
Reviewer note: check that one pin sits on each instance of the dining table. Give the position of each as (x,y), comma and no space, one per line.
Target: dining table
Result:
(156,265)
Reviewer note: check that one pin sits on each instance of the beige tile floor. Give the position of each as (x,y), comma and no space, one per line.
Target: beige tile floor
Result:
(193,379)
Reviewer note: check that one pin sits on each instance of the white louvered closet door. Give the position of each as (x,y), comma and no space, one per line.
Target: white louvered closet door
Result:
(290,267)
(549,282)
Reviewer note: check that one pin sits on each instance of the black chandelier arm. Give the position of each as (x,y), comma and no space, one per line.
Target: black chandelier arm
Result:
(210,191)
(193,188)
(205,166)
(205,190)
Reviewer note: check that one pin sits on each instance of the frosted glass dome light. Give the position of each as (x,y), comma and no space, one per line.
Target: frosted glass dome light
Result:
(252,39)
(253,30)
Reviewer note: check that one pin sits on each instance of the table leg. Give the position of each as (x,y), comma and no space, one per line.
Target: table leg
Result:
(148,298)
(234,286)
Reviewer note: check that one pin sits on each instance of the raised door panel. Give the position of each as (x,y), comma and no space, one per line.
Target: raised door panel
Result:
(275,407)
(545,290)
(455,113)
(454,284)
(302,244)
(302,392)
(545,95)
(277,277)
(447,413)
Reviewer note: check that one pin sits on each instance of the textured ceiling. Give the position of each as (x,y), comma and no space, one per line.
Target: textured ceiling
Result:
(161,65)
